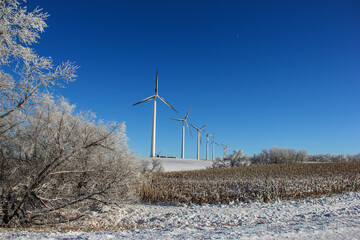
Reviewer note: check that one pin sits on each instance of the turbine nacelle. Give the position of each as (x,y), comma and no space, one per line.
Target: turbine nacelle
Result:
(197,129)
(156,95)
(184,120)
(207,134)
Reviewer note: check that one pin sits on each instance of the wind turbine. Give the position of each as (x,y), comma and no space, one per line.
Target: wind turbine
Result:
(225,147)
(154,97)
(183,132)
(198,139)
(207,143)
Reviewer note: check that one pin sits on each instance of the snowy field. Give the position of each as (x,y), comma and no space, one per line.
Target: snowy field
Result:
(328,218)
(178,164)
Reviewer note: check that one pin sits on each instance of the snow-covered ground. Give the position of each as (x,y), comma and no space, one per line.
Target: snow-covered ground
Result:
(336,217)
(178,164)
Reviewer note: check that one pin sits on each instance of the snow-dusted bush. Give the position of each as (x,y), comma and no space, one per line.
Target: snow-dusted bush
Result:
(275,155)
(57,159)
(279,155)
(150,167)
(353,157)
(334,158)
(236,159)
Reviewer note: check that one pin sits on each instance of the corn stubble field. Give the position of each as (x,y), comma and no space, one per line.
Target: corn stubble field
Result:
(263,183)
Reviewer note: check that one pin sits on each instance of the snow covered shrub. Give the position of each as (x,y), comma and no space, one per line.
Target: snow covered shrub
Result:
(236,159)
(279,155)
(274,155)
(334,158)
(150,167)
(58,159)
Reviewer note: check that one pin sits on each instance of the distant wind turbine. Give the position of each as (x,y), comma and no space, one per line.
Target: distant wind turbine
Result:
(183,132)
(152,152)
(198,139)
(225,147)
(207,143)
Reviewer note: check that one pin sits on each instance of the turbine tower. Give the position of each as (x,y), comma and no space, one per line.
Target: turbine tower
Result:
(213,141)
(154,97)
(207,143)
(198,139)
(183,132)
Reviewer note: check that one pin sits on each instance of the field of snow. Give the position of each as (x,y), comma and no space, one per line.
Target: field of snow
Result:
(178,164)
(336,217)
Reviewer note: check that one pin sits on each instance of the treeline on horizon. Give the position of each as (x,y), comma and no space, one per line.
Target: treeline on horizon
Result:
(276,155)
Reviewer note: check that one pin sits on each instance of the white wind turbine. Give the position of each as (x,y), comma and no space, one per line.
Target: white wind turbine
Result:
(207,143)
(198,139)
(225,147)
(154,97)
(183,132)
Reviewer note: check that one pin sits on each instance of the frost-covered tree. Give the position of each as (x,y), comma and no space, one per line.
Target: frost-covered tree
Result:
(52,158)
(279,155)
(23,73)
(150,167)
(61,159)
(236,159)
(354,157)
(334,158)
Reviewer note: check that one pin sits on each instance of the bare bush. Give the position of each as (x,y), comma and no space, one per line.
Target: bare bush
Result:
(276,155)
(279,155)
(58,159)
(236,159)
(272,156)
(334,158)
(150,167)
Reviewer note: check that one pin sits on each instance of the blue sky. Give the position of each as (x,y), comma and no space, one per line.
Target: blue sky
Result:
(260,73)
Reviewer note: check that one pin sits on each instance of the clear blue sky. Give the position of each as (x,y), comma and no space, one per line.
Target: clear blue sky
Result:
(260,73)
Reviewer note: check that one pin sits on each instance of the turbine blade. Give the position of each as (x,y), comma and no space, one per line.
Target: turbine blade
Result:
(188,128)
(203,127)
(145,100)
(194,127)
(187,113)
(176,119)
(167,103)
(156,83)
(205,132)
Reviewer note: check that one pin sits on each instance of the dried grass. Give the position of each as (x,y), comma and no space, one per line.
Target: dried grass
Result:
(254,183)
